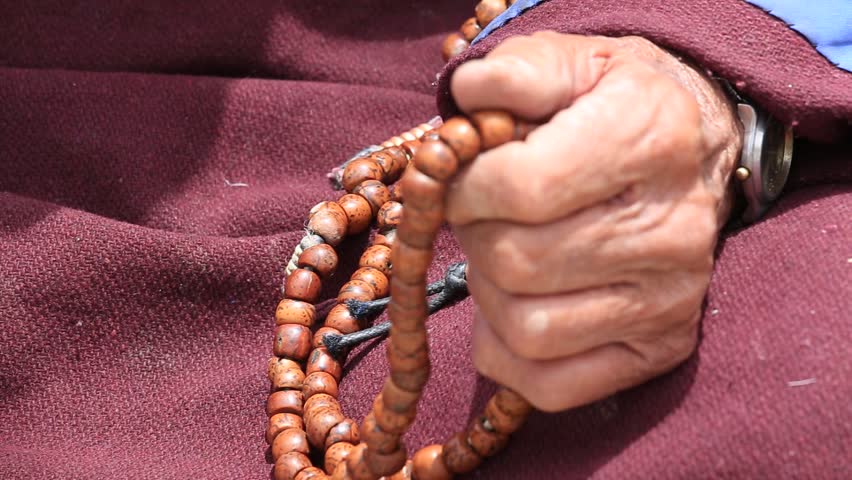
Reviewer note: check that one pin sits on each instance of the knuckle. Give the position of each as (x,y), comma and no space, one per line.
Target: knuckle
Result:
(527,332)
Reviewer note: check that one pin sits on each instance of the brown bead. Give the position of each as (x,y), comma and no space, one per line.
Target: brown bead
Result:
(280,422)
(341,472)
(429,136)
(321,400)
(335,454)
(397,399)
(404,474)
(410,147)
(389,420)
(378,257)
(462,137)
(388,239)
(393,160)
(422,190)
(429,464)
(289,377)
(386,463)
(358,212)
(289,465)
(345,431)
(412,262)
(420,227)
(437,160)
(320,258)
(284,401)
(321,361)
(401,361)
(396,193)
(389,216)
(292,341)
(376,279)
(312,473)
(378,439)
(485,442)
(322,332)
(276,364)
(408,342)
(319,382)
(458,456)
(470,29)
(357,464)
(290,440)
(454,45)
(488,10)
(329,221)
(303,285)
(510,402)
(412,380)
(295,312)
(355,290)
(407,311)
(495,128)
(319,421)
(340,318)
(360,170)
(397,140)
(375,192)
(500,421)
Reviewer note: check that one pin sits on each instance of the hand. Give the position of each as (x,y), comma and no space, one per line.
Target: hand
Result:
(590,244)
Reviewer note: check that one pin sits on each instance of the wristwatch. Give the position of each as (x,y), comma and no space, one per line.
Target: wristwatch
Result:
(765,161)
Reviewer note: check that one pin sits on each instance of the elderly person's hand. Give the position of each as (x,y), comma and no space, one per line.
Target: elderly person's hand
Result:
(590,244)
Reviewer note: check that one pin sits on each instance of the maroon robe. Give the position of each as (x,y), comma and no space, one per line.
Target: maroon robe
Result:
(138,278)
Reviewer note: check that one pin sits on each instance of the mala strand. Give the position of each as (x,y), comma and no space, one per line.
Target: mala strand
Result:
(305,419)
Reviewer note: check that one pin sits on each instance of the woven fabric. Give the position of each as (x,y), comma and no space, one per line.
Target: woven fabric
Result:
(158,159)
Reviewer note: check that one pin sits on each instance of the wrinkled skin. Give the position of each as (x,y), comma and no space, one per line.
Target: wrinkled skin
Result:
(590,244)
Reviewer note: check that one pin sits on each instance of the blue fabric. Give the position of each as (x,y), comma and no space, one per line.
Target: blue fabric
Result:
(827,24)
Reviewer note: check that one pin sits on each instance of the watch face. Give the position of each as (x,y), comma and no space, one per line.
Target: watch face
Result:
(777,153)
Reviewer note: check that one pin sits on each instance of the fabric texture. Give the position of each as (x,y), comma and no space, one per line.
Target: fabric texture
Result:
(157,162)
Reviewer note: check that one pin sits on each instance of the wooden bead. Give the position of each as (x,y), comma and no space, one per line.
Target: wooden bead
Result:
(397,399)
(437,160)
(409,373)
(358,212)
(397,140)
(289,377)
(329,221)
(341,472)
(276,364)
(345,431)
(295,312)
(428,464)
(511,402)
(322,332)
(376,279)
(321,361)
(408,342)
(280,422)
(410,147)
(357,464)
(429,136)
(284,401)
(292,341)
(488,10)
(375,192)
(412,262)
(389,216)
(407,311)
(312,473)
(422,191)
(500,421)
(378,257)
(341,319)
(470,29)
(454,45)
(485,442)
(408,136)
(396,193)
(404,474)
(360,170)
(320,258)
(393,160)
(303,285)
(462,137)
(319,382)
(495,128)
(355,290)
(290,440)
(319,421)
(389,420)
(289,465)
(378,439)
(335,454)
(458,456)
(321,400)
(386,463)
(387,239)
(420,227)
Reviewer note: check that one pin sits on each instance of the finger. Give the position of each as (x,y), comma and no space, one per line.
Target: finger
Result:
(555,326)
(532,76)
(556,385)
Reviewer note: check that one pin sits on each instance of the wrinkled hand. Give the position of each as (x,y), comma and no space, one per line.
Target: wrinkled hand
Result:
(590,244)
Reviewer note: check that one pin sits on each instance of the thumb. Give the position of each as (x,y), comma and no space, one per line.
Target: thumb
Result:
(532,77)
